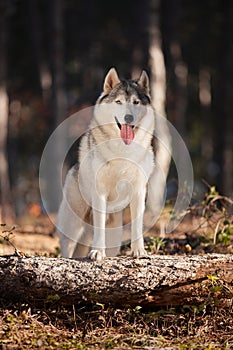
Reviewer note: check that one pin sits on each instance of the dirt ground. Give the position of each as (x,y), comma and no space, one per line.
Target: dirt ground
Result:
(195,234)
(207,326)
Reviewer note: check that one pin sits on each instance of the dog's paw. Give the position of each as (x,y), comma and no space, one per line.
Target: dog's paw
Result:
(137,250)
(139,253)
(97,254)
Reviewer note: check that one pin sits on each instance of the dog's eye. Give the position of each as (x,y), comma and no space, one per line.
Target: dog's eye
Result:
(136,102)
(118,102)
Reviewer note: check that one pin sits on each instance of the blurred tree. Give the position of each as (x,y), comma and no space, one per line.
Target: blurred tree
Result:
(59,100)
(223,103)
(57,54)
(158,91)
(158,70)
(177,69)
(7,212)
(42,71)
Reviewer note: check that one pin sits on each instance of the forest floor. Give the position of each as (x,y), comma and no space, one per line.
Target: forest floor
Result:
(207,326)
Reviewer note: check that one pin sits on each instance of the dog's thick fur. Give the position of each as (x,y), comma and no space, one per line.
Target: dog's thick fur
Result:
(115,162)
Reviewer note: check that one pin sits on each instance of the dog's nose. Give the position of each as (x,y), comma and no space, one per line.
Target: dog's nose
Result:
(128,118)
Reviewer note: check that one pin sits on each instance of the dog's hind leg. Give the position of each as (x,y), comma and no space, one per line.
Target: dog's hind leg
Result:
(83,246)
(114,233)
(69,228)
(68,246)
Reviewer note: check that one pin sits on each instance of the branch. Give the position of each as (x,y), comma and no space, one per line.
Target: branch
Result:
(122,281)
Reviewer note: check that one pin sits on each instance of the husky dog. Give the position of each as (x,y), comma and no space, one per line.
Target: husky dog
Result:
(115,162)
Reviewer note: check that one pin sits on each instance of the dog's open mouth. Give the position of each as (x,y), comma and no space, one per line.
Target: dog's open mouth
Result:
(126,132)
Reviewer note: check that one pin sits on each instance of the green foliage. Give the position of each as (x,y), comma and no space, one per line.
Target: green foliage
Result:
(225,233)
(154,244)
(51,298)
(57,252)
(212,194)
(213,278)
(217,210)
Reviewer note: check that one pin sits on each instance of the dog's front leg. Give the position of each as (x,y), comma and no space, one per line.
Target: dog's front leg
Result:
(137,207)
(99,219)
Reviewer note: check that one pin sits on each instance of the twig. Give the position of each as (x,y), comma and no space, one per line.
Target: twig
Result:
(216,231)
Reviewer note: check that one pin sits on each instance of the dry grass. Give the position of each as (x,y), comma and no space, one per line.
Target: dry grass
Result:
(23,327)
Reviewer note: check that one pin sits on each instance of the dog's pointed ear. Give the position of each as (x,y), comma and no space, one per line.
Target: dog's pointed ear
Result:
(111,80)
(144,83)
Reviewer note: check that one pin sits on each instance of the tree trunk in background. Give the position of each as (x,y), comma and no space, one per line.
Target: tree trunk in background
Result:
(139,37)
(158,71)
(7,212)
(176,68)
(205,99)
(59,102)
(223,139)
(43,72)
(158,91)
(58,62)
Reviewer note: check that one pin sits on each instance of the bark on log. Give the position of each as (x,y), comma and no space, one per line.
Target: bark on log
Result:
(122,281)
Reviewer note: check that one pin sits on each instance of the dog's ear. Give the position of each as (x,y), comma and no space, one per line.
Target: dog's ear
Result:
(144,83)
(111,80)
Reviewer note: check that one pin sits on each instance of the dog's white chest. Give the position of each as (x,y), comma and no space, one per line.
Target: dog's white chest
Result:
(117,181)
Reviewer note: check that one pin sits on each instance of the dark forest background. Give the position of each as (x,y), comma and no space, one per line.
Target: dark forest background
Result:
(54,56)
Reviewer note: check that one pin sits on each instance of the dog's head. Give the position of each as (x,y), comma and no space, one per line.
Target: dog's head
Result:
(126,101)
(125,91)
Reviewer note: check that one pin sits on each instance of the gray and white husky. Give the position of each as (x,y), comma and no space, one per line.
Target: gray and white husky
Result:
(116,160)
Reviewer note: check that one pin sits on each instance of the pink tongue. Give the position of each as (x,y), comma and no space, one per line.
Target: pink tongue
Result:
(127,133)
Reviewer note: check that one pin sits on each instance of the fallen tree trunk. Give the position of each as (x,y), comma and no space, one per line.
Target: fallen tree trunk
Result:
(122,281)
